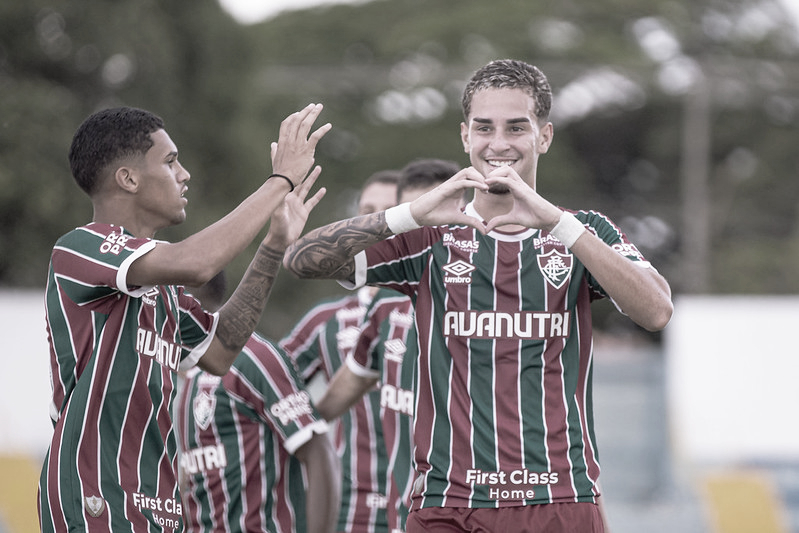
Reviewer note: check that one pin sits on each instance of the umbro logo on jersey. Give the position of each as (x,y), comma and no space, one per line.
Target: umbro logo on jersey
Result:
(95,505)
(150,296)
(556,267)
(395,349)
(203,405)
(459,271)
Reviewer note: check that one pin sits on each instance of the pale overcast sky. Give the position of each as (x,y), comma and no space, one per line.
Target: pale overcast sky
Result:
(252,11)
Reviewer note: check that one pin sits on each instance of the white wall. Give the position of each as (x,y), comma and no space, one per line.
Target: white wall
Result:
(24,374)
(733,378)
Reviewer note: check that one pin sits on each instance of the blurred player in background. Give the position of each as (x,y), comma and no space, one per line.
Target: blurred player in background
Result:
(320,343)
(254,454)
(384,355)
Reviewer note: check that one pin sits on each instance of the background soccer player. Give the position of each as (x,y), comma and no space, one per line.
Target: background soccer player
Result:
(254,453)
(320,343)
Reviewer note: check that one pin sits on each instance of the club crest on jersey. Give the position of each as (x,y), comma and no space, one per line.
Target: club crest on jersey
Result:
(95,505)
(203,405)
(556,267)
(459,272)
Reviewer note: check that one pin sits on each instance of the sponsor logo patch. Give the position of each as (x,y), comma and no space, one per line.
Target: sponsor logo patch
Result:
(459,272)
(150,297)
(395,350)
(463,244)
(114,243)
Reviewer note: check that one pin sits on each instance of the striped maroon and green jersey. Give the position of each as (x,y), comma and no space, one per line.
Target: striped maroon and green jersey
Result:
(386,349)
(321,342)
(114,355)
(503,399)
(237,436)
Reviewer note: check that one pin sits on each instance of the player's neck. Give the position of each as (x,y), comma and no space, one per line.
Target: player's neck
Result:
(122,215)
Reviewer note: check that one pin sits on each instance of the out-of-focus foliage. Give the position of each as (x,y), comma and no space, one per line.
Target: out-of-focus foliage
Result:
(390,74)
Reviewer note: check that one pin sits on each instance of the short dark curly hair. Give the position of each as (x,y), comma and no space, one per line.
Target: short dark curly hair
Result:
(107,136)
(510,74)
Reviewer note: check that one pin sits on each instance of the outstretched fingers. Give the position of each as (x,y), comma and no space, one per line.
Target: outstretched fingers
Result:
(304,188)
(293,154)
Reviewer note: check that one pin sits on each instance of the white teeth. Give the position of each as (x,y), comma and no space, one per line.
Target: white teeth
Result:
(500,163)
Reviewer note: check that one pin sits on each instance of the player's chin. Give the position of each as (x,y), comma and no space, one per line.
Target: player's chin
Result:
(498,188)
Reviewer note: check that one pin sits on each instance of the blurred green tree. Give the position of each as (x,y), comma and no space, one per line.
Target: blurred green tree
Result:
(677,118)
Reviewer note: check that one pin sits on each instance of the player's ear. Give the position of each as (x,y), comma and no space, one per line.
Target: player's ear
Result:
(545,138)
(465,137)
(126,179)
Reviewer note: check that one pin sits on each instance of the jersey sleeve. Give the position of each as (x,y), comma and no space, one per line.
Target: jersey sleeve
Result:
(362,360)
(396,263)
(608,232)
(303,343)
(197,328)
(263,382)
(92,262)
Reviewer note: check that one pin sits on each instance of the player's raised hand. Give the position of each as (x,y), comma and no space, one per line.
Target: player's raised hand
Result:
(293,153)
(289,219)
(529,209)
(444,204)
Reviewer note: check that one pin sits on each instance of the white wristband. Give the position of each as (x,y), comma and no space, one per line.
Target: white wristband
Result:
(399,218)
(568,229)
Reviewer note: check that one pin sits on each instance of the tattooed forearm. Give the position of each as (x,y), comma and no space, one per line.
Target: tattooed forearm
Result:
(327,252)
(239,316)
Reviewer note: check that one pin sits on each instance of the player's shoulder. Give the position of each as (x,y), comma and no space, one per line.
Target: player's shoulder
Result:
(388,297)
(100,238)
(264,353)
(259,342)
(331,304)
(590,216)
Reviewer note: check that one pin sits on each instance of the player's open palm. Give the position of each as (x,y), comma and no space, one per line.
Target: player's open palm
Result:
(444,204)
(289,219)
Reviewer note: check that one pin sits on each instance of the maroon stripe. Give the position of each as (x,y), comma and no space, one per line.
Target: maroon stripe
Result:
(507,357)
(460,407)
(555,415)
(585,330)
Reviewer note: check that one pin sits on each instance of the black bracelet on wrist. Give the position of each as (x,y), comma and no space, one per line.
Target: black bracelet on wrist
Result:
(291,183)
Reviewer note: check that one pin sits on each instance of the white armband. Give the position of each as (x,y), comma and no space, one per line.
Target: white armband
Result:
(568,229)
(399,218)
